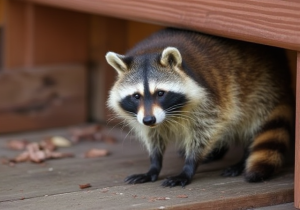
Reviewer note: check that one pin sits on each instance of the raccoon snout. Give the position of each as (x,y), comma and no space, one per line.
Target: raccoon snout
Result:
(149,120)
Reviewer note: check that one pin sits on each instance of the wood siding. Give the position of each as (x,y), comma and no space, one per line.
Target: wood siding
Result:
(272,22)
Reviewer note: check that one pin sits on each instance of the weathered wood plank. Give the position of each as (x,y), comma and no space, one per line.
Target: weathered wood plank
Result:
(297,152)
(55,185)
(272,22)
(41,98)
(106,34)
(2,12)
(61,36)
(286,206)
(36,35)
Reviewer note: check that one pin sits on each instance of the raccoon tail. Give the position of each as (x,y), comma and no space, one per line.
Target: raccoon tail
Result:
(271,144)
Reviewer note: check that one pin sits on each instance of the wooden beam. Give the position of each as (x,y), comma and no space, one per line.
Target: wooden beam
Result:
(272,22)
(297,152)
(106,34)
(34,33)
(42,98)
(2,12)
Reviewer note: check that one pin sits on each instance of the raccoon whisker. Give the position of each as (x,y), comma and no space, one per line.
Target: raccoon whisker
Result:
(122,122)
(181,116)
(128,133)
(112,117)
(175,107)
(172,121)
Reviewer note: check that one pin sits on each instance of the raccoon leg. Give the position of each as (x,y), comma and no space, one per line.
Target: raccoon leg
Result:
(152,175)
(270,145)
(185,176)
(237,168)
(216,154)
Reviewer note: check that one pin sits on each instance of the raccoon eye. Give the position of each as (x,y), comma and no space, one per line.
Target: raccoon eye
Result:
(160,93)
(136,96)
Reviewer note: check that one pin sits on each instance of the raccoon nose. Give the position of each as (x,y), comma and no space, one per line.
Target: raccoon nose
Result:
(149,120)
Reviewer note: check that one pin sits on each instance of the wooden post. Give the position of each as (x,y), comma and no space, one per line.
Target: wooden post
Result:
(297,152)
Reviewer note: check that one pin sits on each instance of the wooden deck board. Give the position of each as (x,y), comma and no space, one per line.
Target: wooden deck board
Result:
(55,184)
(285,206)
(272,22)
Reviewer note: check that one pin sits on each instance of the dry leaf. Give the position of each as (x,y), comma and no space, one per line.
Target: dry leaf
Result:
(23,157)
(109,139)
(87,133)
(56,155)
(83,186)
(17,144)
(47,144)
(59,141)
(92,153)
(181,196)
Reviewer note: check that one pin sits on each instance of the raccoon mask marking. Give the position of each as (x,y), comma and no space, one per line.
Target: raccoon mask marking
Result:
(206,93)
(147,89)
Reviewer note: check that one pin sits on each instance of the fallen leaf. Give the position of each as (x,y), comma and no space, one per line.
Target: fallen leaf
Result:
(87,133)
(60,141)
(47,144)
(92,153)
(23,157)
(60,155)
(109,139)
(181,196)
(17,144)
(83,186)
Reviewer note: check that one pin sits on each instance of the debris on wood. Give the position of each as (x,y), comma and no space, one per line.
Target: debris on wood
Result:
(60,141)
(104,190)
(5,161)
(109,139)
(91,133)
(93,153)
(83,186)
(162,198)
(182,196)
(39,152)
(152,199)
(17,144)
(23,157)
(87,133)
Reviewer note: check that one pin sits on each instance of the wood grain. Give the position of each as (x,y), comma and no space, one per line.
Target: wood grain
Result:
(297,152)
(2,12)
(272,22)
(36,35)
(42,98)
(42,188)
(106,34)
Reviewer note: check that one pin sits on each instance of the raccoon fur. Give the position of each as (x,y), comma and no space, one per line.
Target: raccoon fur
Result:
(205,93)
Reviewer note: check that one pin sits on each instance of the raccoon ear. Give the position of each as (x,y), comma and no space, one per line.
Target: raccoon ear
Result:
(171,56)
(116,61)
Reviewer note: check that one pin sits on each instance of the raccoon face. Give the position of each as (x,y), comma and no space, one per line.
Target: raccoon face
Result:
(150,87)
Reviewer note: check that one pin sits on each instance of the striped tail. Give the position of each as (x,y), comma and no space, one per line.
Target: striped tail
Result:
(271,144)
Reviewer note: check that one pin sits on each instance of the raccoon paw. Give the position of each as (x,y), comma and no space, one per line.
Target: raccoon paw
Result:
(232,171)
(173,181)
(141,178)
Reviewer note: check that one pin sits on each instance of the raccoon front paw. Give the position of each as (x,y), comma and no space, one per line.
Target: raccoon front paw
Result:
(173,181)
(141,178)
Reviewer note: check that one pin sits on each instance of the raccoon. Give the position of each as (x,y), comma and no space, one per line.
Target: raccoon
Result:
(205,93)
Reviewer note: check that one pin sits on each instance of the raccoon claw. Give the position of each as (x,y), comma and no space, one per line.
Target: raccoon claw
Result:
(176,180)
(140,178)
